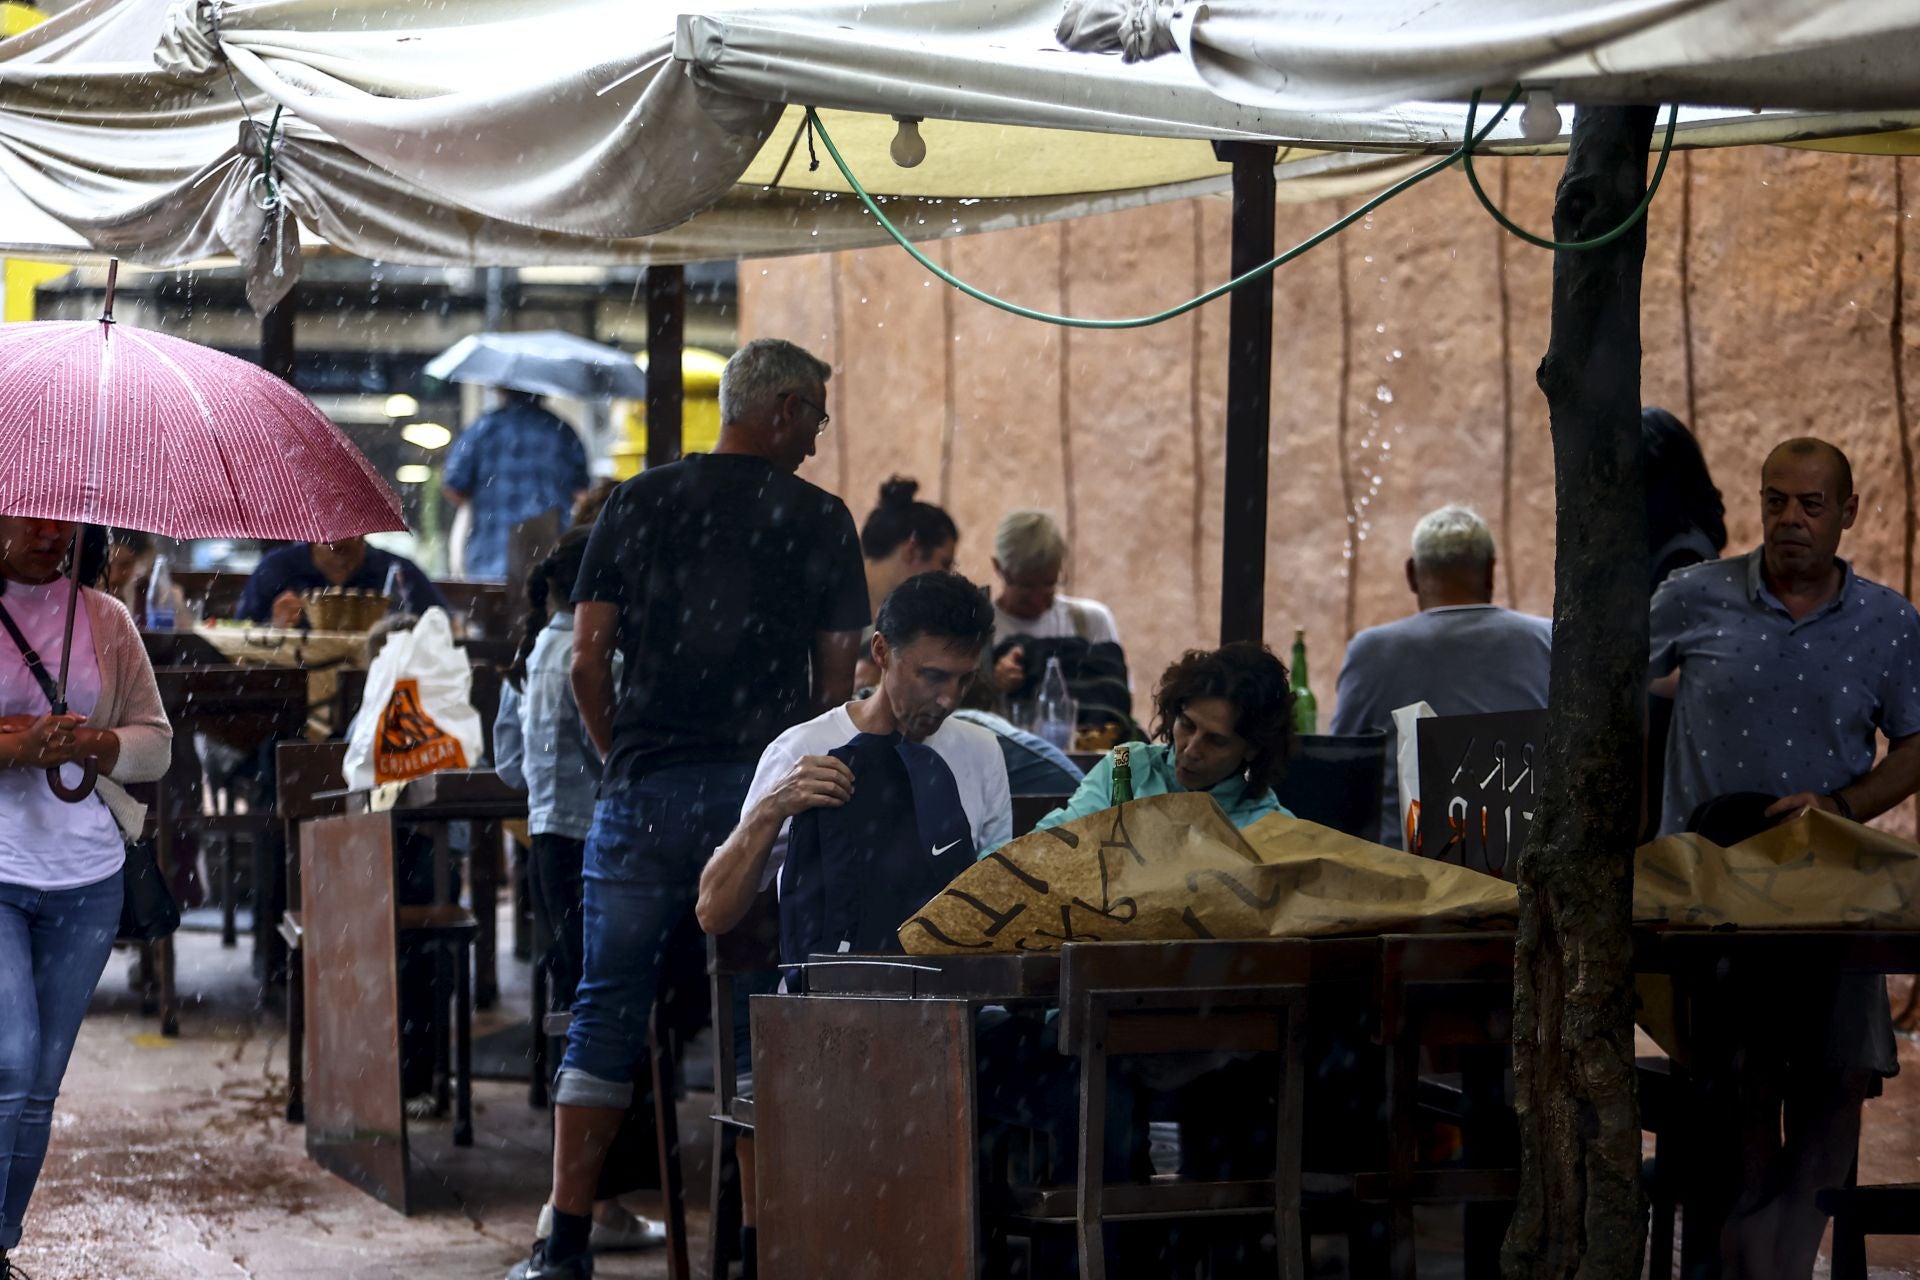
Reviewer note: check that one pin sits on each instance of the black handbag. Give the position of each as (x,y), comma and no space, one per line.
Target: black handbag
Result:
(147,909)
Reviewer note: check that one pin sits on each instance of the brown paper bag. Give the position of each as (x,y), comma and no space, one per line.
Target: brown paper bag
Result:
(1173,867)
(1815,871)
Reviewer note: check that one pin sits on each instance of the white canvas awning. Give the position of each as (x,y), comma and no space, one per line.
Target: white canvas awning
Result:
(479,132)
(1804,55)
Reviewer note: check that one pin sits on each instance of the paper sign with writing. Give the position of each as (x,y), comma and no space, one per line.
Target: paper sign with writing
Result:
(1479,788)
(1173,867)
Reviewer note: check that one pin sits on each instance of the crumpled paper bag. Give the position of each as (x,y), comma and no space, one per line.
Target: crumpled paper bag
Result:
(1173,867)
(1815,871)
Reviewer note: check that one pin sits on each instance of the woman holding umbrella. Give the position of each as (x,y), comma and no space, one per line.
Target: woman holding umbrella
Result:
(60,860)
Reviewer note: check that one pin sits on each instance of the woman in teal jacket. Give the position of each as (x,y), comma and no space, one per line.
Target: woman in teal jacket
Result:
(1225,727)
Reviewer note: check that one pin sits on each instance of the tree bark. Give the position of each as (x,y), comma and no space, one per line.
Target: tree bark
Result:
(1581,1211)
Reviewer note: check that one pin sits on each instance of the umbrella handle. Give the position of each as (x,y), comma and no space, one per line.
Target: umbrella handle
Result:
(73,794)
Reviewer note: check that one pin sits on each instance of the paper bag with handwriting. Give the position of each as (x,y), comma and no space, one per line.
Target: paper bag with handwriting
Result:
(1816,871)
(1172,867)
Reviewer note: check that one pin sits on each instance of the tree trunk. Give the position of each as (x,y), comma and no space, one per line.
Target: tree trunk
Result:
(1581,1212)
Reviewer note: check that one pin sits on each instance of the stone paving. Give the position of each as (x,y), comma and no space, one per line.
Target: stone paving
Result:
(171,1160)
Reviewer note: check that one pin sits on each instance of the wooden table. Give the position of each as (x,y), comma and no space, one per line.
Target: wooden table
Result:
(866,1109)
(351,922)
(1699,958)
(866,1116)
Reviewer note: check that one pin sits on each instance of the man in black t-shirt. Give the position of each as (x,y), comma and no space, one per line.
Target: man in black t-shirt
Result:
(735,594)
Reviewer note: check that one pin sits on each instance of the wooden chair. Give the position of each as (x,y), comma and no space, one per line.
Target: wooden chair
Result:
(1155,998)
(1446,992)
(1886,1209)
(1335,780)
(752,946)
(1028,810)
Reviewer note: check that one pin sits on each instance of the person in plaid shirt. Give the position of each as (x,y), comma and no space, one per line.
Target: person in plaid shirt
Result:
(512,464)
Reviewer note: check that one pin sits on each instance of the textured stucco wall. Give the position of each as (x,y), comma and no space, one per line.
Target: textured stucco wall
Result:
(1404,358)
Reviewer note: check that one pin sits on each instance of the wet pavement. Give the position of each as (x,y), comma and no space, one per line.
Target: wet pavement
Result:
(171,1159)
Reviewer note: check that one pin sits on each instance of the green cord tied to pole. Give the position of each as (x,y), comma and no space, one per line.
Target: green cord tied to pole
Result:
(1463,153)
(267,197)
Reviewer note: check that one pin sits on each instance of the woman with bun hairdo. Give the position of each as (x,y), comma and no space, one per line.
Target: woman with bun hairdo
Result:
(902,538)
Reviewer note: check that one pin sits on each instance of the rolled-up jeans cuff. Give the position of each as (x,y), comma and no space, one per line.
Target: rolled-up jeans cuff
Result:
(573,1087)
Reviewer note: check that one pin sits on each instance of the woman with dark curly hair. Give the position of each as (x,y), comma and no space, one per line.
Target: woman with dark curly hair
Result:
(1225,728)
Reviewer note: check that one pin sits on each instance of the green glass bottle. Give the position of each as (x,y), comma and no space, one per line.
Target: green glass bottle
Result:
(1306,712)
(1122,775)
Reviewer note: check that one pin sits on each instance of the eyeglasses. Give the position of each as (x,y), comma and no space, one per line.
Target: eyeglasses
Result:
(825,417)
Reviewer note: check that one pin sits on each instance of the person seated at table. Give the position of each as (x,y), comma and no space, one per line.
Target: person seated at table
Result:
(1029,553)
(901,537)
(273,592)
(1460,653)
(1225,728)
(895,834)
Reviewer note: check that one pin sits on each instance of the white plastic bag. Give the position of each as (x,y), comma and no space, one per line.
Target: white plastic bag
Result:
(1404,721)
(417,716)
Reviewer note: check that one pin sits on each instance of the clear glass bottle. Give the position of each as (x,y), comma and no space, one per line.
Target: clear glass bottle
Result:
(1056,711)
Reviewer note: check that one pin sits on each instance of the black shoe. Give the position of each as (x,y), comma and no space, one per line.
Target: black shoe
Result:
(540,1267)
(10,1272)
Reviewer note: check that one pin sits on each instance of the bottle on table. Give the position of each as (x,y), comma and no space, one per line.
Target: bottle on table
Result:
(1122,774)
(161,614)
(1055,710)
(1306,712)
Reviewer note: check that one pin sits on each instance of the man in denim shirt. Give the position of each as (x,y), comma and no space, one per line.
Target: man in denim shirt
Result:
(735,594)
(1790,665)
(514,463)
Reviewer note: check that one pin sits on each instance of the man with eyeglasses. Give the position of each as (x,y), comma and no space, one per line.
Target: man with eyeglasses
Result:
(1791,665)
(736,595)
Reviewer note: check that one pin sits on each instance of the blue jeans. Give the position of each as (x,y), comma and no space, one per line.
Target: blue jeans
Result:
(639,878)
(53,946)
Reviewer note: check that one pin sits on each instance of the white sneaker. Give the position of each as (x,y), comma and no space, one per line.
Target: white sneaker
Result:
(628,1230)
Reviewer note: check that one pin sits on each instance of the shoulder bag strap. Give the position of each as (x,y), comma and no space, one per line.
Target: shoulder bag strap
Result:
(39,669)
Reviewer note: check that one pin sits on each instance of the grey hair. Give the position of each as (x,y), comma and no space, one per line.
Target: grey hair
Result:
(1028,541)
(763,371)
(1451,540)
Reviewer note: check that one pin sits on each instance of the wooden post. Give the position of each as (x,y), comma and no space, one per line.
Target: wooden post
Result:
(666,340)
(1243,547)
(1581,1211)
(276,336)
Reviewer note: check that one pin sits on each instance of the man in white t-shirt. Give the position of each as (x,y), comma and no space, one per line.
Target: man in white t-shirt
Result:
(1029,552)
(927,644)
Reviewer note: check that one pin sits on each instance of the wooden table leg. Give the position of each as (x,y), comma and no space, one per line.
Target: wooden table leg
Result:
(463,1044)
(484,867)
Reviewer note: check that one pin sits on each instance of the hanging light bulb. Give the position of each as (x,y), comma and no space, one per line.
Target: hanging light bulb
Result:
(1540,119)
(908,148)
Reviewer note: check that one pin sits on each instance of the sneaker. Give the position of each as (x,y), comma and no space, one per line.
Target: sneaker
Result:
(538,1267)
(623,1232)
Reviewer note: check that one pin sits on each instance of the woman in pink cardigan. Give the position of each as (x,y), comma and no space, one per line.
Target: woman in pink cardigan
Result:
(60,863)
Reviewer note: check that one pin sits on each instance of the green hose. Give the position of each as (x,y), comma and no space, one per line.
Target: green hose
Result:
(1463,154)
